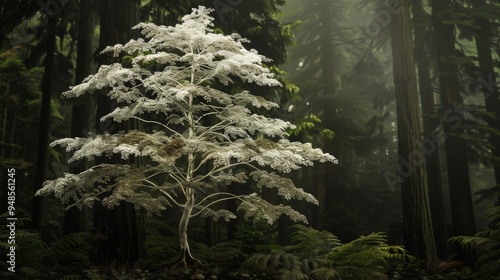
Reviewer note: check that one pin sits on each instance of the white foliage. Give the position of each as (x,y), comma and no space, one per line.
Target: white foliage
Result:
(204,139)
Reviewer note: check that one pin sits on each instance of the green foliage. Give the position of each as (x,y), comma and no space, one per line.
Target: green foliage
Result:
(307,127)
(36,259)
(229,253)
(255,234)
(319,255)
(162,241)
(486,245)
(367,257)
(19,100)
(314,243)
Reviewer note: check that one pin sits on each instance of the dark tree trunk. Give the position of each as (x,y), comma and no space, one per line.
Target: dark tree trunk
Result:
(456,149)
(431,127)
(328,88)
(73,218)
(118,226)
(488,83)
(419,236)
(45,111)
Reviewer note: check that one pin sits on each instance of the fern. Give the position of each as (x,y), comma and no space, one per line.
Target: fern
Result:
(325,273)
(291,274)
(161,240)
(70,248)
(162,247)
(35,259)
(313,242)
(225,253)
(319,255)
(486,244)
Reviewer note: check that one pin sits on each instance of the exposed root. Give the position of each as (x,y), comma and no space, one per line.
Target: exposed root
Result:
(184,261)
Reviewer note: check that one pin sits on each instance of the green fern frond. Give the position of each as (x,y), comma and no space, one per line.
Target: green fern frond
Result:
(71,248)
(478,243)
(494,214)
(486,244)
(158,246)
(312,242)
(35,258)
(222,252)
(292,274)
(319,255)
(492,234)
(367,257)
(29,272)
(324,273)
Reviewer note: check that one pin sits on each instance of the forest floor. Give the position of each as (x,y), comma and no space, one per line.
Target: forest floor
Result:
(154,271)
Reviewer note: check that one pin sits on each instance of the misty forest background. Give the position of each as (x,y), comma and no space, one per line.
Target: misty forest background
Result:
(362,89)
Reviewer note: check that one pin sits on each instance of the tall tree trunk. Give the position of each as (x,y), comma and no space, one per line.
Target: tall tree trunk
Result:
(45,111)
(462,211)
(328,88)
(118,225)
(488,82)
(73,218)
(431,127)
(419,236)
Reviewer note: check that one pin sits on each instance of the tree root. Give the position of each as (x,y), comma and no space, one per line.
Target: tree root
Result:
(183,262)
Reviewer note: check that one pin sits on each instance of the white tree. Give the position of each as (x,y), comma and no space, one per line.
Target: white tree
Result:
(200,140)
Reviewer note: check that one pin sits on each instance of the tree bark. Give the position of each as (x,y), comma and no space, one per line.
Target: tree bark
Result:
(328,87)
(488,80)
(118,225)
(419,236)
(45,112)
(462,211)
(431,126)
(73,218)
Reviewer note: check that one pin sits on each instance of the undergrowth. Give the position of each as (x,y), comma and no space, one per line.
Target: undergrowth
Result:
(486,246)
(63,259)
(319,255)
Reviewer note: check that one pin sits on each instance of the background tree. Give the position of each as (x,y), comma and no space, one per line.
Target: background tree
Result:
(345,81)
(462,211)
(118,226)
(43,135)
(431,124)
(484,17)
(419,236)
(178,143)
(80,115)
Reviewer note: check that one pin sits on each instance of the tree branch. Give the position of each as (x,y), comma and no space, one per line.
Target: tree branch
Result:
(214,202)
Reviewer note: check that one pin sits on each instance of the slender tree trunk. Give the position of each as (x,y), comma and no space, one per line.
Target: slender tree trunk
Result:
(185,257)
(431,126)
(73,218)
(43,140)
(488,82)
(456,148)
(419,236)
